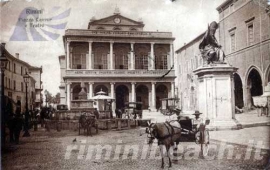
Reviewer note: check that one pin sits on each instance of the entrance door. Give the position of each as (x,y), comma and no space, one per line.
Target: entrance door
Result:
(142,96)
(122,96)
(254,85)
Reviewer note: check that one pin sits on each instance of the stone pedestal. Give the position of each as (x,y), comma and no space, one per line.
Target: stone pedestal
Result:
(215,95)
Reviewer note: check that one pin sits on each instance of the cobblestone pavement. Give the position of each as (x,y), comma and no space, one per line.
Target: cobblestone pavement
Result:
(49,150)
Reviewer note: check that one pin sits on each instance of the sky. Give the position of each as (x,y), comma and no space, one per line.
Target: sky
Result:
(186,19)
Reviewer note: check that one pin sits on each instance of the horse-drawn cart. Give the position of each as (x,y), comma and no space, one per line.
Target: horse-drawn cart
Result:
(133,109)
(189,130)
(195,133)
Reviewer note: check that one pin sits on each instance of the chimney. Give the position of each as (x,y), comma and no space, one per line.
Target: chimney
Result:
(3,44)
(17,55)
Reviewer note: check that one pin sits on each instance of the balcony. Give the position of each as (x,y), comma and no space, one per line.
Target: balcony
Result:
(118,73)
(108,33)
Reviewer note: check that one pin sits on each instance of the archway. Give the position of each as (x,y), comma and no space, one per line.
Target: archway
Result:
(122,96)
(142,96)
(267,76)
(238,91)
(254,84)
(161,93)
(76,93)
(99,88)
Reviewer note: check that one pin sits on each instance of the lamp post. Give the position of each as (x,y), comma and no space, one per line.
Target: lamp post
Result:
(3,62)
(26,78)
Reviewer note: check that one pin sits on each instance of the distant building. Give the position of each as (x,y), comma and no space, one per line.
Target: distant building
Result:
(244,33)
(14,85)
(36,73)
(116,56)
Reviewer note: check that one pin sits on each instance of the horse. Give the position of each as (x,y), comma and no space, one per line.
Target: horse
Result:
(87,122)
(167,133)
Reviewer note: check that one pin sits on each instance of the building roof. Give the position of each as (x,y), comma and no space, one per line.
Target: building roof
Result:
(224,4)
(4,50)
(110,21)
(191,42)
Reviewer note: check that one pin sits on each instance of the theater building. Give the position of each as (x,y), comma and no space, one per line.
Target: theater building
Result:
(115,55)
(244,34)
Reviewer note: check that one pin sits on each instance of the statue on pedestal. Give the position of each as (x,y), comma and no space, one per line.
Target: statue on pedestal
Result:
(209,47)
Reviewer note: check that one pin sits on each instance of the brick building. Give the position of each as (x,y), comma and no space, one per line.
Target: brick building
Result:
(244,33)
(115,54)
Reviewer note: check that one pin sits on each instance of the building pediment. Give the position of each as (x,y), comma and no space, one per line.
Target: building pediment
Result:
(115,20)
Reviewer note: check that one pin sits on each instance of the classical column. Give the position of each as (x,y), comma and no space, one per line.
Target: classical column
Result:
(90,65)
(171,55)
(172,89)
(67,56)
(111,56)
(132,61)
(133,92)
(113,96)
(90,89)
(152,57)
(68,95)
(153,96)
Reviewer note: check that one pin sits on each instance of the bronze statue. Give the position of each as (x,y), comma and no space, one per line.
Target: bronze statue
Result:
(209,47)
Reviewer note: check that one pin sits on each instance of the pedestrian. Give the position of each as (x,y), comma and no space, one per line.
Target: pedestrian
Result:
(197,121)
(96,113)
(11,128)
(18,123)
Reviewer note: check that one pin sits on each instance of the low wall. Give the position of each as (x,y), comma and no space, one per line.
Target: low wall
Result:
(103,124)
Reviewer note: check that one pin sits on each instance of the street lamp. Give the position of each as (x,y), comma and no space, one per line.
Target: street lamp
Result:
(3,65)
(26,78)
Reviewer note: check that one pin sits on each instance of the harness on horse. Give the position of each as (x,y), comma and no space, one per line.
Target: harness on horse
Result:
(171,132)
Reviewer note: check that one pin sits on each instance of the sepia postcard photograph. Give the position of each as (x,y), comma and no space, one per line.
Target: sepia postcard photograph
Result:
(135,84)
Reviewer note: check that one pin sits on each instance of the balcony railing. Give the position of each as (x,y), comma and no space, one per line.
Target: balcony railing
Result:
(119,73)
(109,33)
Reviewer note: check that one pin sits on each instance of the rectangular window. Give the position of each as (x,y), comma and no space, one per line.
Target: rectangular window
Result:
(233,46)
(79,61)
(22,86)
(8,66)
(14,85)
(250,34)
(231,8)
(14,68)
(21,70)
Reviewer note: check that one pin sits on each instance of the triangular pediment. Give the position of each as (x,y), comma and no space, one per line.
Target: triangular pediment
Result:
(116,20)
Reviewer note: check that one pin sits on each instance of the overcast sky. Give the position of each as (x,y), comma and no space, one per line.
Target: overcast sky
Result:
(186,19)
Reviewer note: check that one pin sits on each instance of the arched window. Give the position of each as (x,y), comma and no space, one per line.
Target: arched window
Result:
(117,29)
(100,28)
(133,29)
(101,88)
(79,93)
